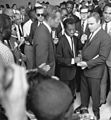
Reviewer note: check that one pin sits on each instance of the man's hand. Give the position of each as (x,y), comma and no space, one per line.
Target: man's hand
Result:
(44,67)
(77,59)
(83,38)
(56,40)
(82,64)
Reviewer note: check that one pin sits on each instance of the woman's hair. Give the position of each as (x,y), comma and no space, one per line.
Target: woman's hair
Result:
(5,27)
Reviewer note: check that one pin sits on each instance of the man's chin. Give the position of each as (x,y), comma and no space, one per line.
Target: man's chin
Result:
(107,21)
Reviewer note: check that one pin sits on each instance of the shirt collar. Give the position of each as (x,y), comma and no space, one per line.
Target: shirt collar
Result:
(107,22)
(94,33)
(85,21)
(67,36)
(97,30)
(49,28)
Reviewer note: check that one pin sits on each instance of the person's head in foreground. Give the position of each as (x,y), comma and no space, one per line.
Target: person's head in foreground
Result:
(51,100)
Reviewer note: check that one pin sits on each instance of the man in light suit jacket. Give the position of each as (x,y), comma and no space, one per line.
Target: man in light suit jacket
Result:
(94,56)
(67,54)
(43,45)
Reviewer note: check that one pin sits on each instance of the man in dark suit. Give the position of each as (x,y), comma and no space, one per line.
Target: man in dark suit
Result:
(67,54)
(40,17)
(94,56)
(43,45)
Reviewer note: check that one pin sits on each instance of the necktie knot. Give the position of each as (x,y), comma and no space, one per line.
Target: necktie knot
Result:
(82,24)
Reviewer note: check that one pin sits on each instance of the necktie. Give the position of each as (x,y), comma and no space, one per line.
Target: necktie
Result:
(20,32)
(73,46)
(106,27)
(90,36)
(40,23)
(82,25)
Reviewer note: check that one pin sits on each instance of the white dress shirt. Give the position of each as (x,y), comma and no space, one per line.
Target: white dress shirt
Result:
(48,27)
(27,27)
(70,43)
(108,27)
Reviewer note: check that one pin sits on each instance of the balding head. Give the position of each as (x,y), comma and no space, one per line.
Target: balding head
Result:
(50,99)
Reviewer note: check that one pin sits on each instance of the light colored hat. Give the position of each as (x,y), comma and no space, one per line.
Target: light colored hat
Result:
(38,5)
(84,10)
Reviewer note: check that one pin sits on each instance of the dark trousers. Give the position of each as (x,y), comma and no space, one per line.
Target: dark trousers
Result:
(28,50)
(71,84)
(90,87)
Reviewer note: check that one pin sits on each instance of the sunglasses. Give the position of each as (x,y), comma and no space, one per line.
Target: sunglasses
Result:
(40,15)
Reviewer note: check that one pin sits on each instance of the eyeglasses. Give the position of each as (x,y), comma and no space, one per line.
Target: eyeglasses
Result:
(40,15)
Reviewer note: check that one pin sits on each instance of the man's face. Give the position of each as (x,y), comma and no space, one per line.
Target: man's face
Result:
(93,24)
(64,14)
(18,19)
(84,15)
(55,22)
(40,14)
(22,11)
(69,8)
(70,29)
(107,14)
(101,3)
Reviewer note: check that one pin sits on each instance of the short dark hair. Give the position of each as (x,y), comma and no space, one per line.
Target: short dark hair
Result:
(13,5)
(63,3)
(37,8)
(32,14)
(68,21)
(29,3)
(106,5)
(5,27)
(2,6)
(70,2)
(7,5)
(49,99)
(95,15)
(84,7)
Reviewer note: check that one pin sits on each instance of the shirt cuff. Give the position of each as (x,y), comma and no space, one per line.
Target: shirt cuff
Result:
(72,61)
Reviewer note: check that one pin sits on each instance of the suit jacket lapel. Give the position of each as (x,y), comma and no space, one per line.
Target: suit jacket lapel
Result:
(92,40)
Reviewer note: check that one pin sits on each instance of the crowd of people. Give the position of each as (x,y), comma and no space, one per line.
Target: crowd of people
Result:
(49,53)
